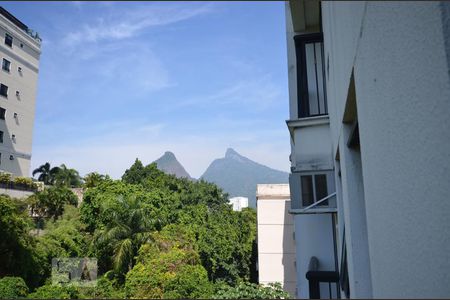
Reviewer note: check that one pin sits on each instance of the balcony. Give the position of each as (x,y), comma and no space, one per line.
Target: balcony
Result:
(316,277)
(311,85)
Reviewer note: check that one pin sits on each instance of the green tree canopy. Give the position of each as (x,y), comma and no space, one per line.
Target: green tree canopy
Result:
(13,288)
(246,290)
(50,202)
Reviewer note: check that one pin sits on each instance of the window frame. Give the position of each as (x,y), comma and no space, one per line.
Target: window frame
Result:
(303,103)
(9,65)
(1,89)
(2,113)
(297,193)
(6,38)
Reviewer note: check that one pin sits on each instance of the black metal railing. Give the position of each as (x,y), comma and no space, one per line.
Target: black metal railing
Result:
(316,277)
(311,85)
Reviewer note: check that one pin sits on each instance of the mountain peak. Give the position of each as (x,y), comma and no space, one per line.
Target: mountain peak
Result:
(238,175)
(169,154)
(169,164)
(231,153)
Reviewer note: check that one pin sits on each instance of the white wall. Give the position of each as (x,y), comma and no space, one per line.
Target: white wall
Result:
(313,237)
(27,58)
(276,245)
(16,193)
(402,85)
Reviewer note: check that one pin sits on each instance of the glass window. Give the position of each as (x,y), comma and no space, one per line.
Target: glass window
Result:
(8,40)
(321,188)
(1,136)
(3,90)
(2,113)
(310,75)
(6,66)
(307,190)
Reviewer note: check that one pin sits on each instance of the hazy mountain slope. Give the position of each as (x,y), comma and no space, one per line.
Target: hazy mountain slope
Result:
(169,164)
(238,175)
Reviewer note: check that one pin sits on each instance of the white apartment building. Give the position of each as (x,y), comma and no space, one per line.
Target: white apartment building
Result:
(369,98)
(20,49)
(238,203)
(276,239)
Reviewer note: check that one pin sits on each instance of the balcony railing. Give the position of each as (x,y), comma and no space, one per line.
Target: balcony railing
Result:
(312,96)
(316,277)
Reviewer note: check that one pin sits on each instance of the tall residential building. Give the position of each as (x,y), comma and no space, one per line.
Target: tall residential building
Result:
(369,98)
(276,245)
(20,49)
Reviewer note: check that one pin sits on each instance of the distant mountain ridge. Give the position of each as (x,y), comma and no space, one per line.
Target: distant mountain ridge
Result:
(169,164)
(238,176)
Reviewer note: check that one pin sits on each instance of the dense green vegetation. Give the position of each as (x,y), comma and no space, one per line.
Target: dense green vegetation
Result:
(153,235)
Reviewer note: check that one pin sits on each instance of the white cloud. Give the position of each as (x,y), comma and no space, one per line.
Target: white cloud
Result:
(128,23)
(258,93)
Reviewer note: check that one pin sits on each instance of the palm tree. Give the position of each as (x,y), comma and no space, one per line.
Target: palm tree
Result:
(125,232)
(93,179)
(47,174)
(67,177)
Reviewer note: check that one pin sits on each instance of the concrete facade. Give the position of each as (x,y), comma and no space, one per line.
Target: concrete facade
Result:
(276,244)
(19,73)
(387,70)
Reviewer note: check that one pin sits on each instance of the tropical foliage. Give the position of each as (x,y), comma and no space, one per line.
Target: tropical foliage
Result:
(60,176)
(153,235)
(12,288)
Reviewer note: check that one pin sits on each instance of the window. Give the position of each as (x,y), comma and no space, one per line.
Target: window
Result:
(6,66)
(309,187)
(312,98)
(1,136)
(3,90)
(8,40)
(11,157)
(13,138)
(2,113)
(314,188)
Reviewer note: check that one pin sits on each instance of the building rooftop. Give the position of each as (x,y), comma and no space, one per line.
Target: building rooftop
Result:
(19,24)
(276,191)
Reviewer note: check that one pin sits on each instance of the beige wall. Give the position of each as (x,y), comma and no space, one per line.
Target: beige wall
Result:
(276,244)
(24,53)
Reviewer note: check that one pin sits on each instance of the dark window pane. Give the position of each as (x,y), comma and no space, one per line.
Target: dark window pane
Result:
(310,75)
(1,136)
(2,113)
(8,40)
(307,190)
(321,188)
(3,90)
(6,65)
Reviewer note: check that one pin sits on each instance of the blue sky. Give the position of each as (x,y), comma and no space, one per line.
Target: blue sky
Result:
(124,80)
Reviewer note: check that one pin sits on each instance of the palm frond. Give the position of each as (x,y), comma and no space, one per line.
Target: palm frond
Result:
(123,254)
